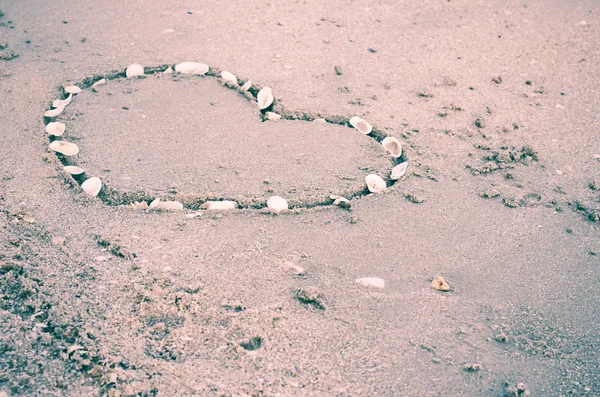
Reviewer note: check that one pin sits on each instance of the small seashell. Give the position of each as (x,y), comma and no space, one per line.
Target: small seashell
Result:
(64,148)
(361,125)
(140,205)
(247,85)
(92,186)
(72,89)
(371,282)
(191,68)
(62,102)
(169,206)
(320,121)
(272,116)
(375,183)
(440,284)
(154,203)
(224,205)
(392,146)
(168,70)
(398,171)
(54,112)
(55,128)
(342,202)
(277,204)
(134,70)
(264,98)
(98,84)
(73,170)
(229,77)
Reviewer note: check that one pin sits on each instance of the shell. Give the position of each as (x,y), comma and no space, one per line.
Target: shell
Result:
(168,70)
(361,125)
(392,146)
(73,170)
(247,85)
(54,112)
(272,116)
(169,206)
(64,148)
(277,204)
(154,203)
(72,89)
(140,205)
(224,205)
(440,284)
(375,183)
(191,68)
(134,70)
(92,186)
(264,98)
(62,102)
(320,121)
(55,128)
(98,84)
(229,77)
(371,282)
(398,171)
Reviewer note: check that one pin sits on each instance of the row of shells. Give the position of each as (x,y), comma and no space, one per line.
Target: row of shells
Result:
(264,98)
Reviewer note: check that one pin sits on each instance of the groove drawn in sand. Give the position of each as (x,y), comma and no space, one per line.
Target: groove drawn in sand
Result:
(379,145)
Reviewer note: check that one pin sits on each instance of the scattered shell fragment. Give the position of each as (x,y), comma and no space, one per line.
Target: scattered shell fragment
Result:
(168,70)
(98,84)
(64,148)
(92,186)
(371,282)
(320,121)
(169,206)
(73,170)
(361,125)
(224,205)
(340,201)
(140,205)
(375,183)
(154,203)
(273,116)
(229,77)
(62,102)
(191,68)
(398,171)
(264,98)
(440,284)
(55,128)
(277,204)
(54,112)
(247,85)
(72,89)
(392,146)
(135,70)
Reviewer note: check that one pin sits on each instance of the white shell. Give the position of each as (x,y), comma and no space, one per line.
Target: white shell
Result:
(229,77)
(277,204)
(140,205)
(65,148)
(264,98)
(398,171)
(371,282)
(247,85)
(361,125)
(98,83)
(154,203)
(72,89)
(320,121)
(92,186)
(55,128)
(375,183)
(73,170)
(219,205)
(62,102)
(272,116)
(168,70)
(134,70)
(54,112)
(191,68)
(169,206)
(392,146)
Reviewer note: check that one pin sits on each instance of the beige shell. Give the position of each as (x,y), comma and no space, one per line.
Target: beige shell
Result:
(375,183)
(264,98)
(169,206)
(277,204)
(361,125)
(72,89)
(168,70)
(54,112)
(224,205)
(392,146)
(134,70)
(320,121)
(154,203)
(398,171)
(229,77)
(62,102)
(371,282)
(65,148)
(140,205)
(92,186)
(98,84)
(273,116)
(440,284)
(73,170)
(55,128)
(247,85)
(191,68)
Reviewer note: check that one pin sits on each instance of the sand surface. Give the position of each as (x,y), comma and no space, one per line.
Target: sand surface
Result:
(496,106)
